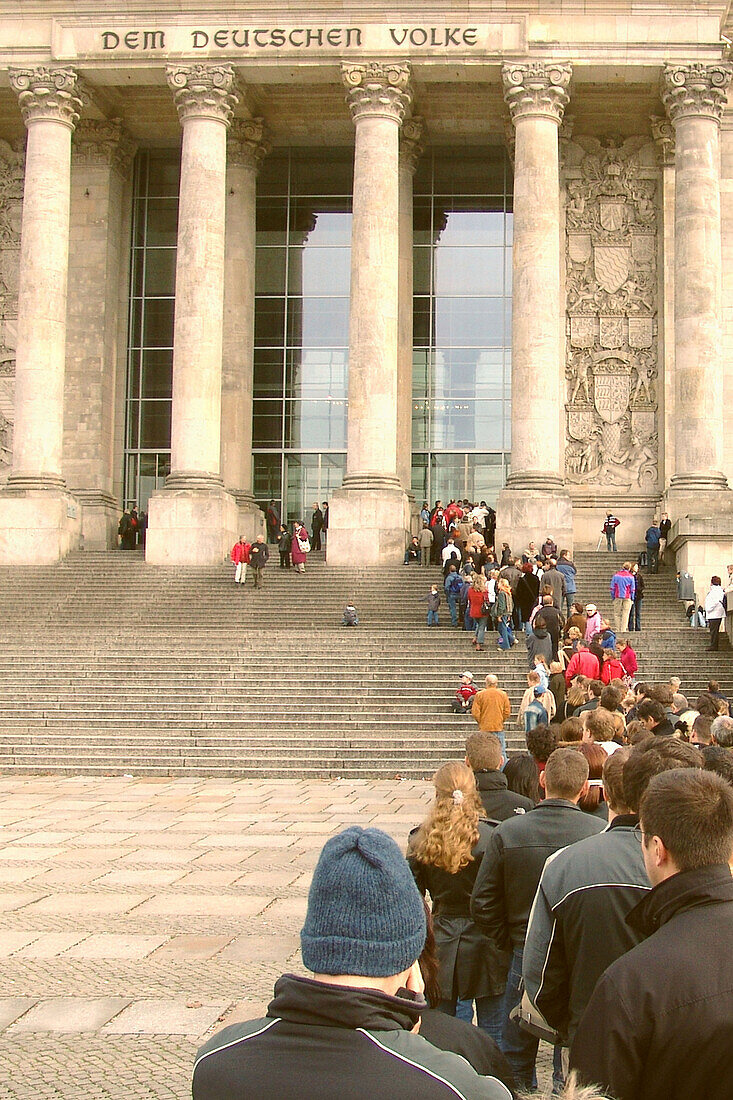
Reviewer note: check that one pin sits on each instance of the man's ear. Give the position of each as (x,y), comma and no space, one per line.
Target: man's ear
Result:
(584,790)
(542,781)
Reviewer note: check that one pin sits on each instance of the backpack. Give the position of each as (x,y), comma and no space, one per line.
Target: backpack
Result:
(455,585)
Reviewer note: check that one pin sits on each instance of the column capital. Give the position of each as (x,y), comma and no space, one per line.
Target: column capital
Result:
(378,89)
(534,89)
(247,142)
(411,146)
(47,94)
(203,91)
(663,135)
(103,142)
(696,90)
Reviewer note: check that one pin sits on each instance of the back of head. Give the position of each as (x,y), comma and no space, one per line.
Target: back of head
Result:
(447,836)
(692,814)
(572,729)
(491,681)
(600,725)
(596,688)
(718,760)
(541,741)
(701,728)
(365,915)
(653,756)
(707,705)
(483,751)
(566,772)
(521,776)
(611,697)
(722,732)
(613,779)
(664,694)
(596,757)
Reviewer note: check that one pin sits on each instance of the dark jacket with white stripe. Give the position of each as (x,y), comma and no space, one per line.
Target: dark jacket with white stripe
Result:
(577,926)
(334,1043)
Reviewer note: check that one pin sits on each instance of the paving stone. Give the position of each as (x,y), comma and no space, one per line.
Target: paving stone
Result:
(111,945)
(71,1014)
(51,944)
(13,901)
(190,947)
(224,905)
(166,1018)
(10,942)
(12,1008)
(261,948)
(87,904)
(157,877)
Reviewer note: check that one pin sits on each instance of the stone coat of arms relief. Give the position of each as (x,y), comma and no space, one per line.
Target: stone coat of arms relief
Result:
(611,294)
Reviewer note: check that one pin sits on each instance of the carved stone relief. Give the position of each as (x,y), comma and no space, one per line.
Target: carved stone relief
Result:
(611,286)
(11,203)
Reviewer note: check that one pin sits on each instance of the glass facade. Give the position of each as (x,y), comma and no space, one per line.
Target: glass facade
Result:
(462,325)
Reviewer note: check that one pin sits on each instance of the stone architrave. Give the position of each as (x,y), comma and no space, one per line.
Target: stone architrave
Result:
(369,516)
(193,521)
(39,520)
(694,95)
(535,500)
(247,145)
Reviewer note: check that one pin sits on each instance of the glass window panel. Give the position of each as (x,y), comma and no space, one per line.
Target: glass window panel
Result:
(267,423)
(267,478)
(160,271)
(133,428)
(162,223)
(420,372)
(157,373)
(272,178)
(271,220)
(269,322)
(333,468)
(270,270)
(421,263)
(467,372)
(155,423)
(137,270)
(458,171)
(447,476)
(469,270)
(319,271)
(158,323)
(314,424)
(466,222)
(322,172)
(139,222)
(420,423)
(268,372)
(130,480)
(320,222)
(485,477)
(136,322)
(164,173)
(420,478)
(421,320)
(133,374)
(318,322)
(164,467)
(469,322)
(303,485)
(422,221)
(316,372)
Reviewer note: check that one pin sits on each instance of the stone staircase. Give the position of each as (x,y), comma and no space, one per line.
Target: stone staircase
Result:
(109,666)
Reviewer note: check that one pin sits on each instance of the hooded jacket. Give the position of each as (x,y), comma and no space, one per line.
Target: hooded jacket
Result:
(539,643)
(334,1043)
(659,1025)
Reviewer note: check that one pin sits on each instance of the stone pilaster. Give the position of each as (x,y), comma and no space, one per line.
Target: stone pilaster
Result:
(247,145)
(663,134)
(410,151)
(695,95)
(535,501)
(38,519)
(369,516)
(193,521)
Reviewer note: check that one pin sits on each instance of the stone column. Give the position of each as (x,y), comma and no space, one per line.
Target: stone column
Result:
(369,516)
(410,152)
(536,502)
(193,521)
(663,134)
(695,96)
(39,522)
(246,147)
(96,347)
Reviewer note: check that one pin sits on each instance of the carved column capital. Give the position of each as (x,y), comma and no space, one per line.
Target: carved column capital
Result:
(663,134)
(696,90)
(47,94)
(411,146)
(203,91)
(247,142)
(378,89)
(536,89)
(103,142)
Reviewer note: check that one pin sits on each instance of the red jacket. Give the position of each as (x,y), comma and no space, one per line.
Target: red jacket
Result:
(612,670)
(240,552)
(629,661)
(582,663)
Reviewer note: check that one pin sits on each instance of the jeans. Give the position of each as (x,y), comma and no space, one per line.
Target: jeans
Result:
(569,596)
(518,1046)
(506,634)
(489,1013)
(453,608)
(611,539)
(480,629)
(652,555)
(635,616)
(433,619)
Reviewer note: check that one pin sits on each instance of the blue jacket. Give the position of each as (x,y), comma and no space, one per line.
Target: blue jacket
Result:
(568,571)
(623,585)
(653,536)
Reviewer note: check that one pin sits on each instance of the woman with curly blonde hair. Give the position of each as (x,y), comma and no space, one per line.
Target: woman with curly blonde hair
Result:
(444,854)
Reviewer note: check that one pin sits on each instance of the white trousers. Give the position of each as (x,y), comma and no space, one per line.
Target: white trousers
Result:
(240,573)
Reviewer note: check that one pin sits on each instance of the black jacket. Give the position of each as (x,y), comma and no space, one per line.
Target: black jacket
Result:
(660,1023)
(539,644)
(528,589)
(258,555)
(499,802)
(470,963)
(479,1049)
(663,729)
(510,871)
(578,923)
(333,1043)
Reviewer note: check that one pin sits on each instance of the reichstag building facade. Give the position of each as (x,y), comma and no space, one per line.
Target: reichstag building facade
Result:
(332,254)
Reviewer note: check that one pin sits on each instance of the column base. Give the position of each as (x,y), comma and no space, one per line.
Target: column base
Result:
(367,526)
(701,500)
(37,527)
(190,527)
(251,517)
(100,518)
(530,514)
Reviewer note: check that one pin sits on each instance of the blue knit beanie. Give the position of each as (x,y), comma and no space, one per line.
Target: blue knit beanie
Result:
(365,914)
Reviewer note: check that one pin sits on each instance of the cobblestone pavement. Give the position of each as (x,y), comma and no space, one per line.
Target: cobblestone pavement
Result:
(139,916)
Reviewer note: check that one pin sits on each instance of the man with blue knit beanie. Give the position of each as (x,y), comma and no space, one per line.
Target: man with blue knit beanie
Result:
(352,1029)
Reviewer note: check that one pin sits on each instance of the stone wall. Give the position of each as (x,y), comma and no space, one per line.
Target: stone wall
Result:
(11,202)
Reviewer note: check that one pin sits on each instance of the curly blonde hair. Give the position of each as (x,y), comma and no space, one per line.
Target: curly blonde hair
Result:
(448,835)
